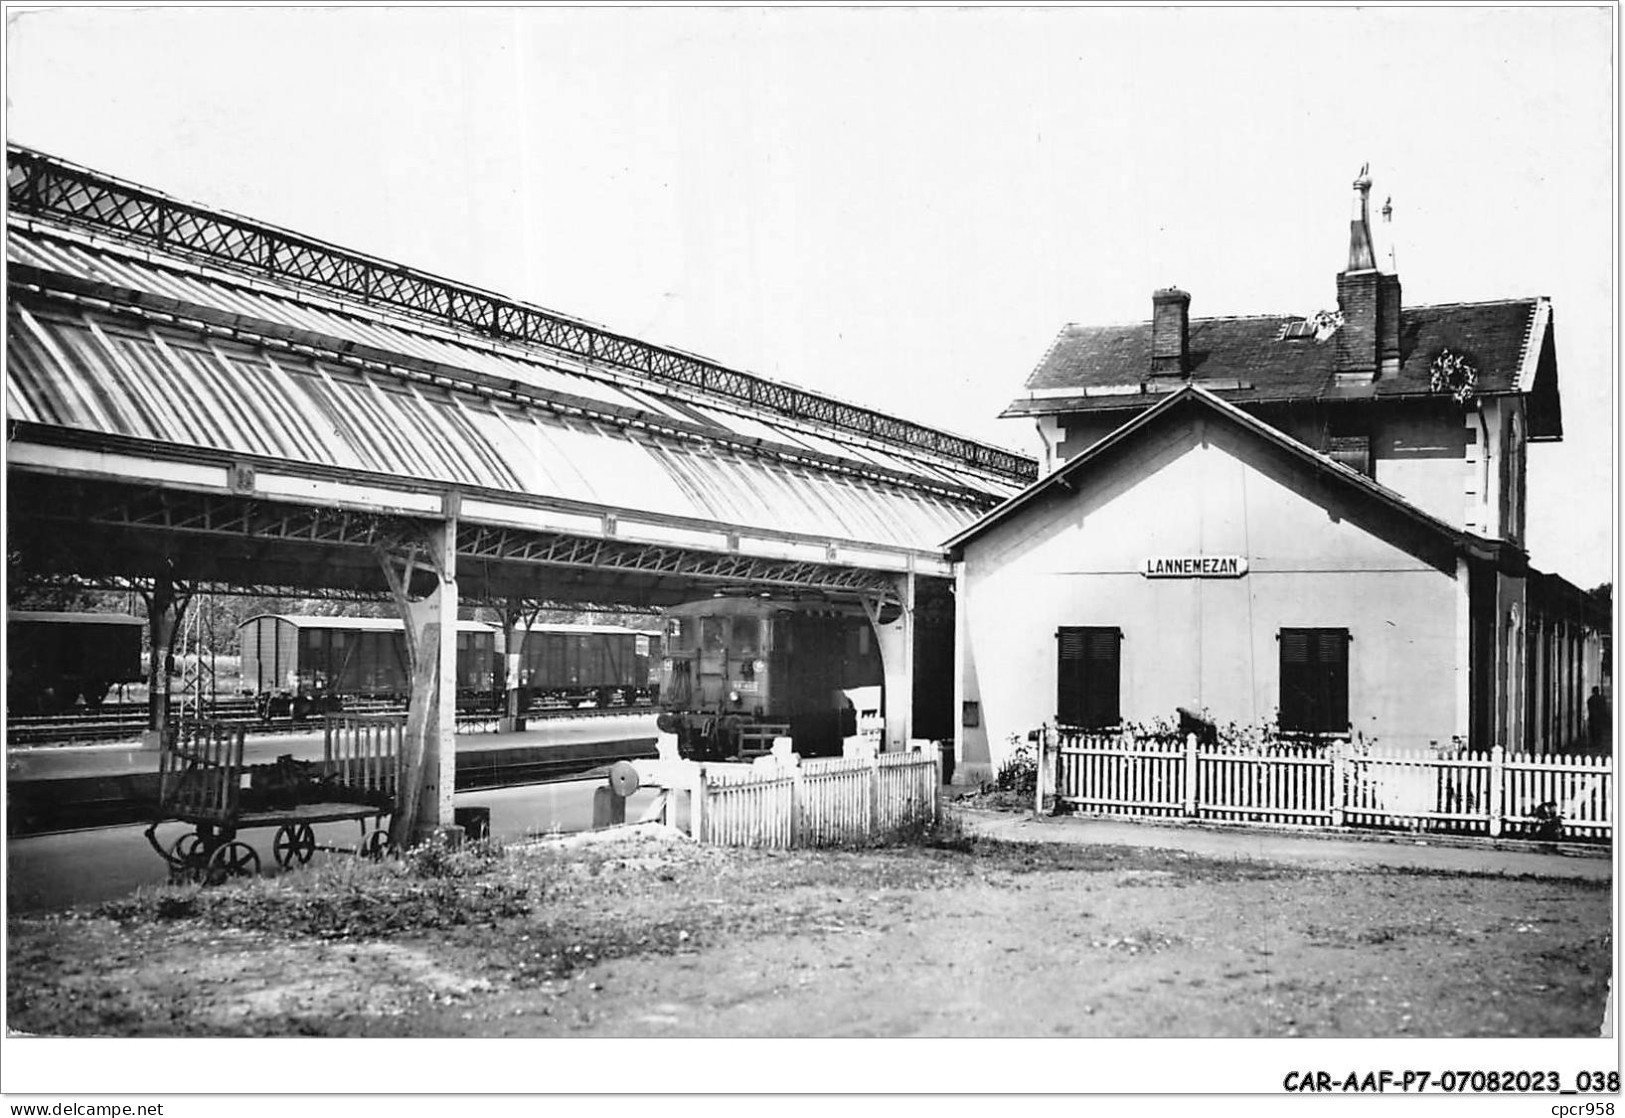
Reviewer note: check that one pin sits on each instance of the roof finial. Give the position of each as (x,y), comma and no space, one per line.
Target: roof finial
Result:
(1360,255)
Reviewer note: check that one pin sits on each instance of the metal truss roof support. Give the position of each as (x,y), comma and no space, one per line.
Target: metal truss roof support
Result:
(623,555)
(121,534)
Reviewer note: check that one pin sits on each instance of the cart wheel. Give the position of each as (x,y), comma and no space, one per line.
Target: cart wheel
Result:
(187,859)
(294,841)
(185,848)
(232,859)
(377,845)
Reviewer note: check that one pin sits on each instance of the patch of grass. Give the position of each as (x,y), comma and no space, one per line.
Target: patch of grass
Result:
(1583,884)
(944,831)
(347,898)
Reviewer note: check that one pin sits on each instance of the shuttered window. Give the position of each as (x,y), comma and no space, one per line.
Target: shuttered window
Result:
(1088,663)
(1315,680)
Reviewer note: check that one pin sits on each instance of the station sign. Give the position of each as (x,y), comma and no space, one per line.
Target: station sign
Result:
(1194,566)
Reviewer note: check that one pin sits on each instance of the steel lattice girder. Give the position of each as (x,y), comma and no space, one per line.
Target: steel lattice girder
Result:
(103,529)
(477,542)
(41,185)
(122,584)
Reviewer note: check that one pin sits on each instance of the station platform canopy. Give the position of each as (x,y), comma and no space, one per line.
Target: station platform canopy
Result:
(175,373)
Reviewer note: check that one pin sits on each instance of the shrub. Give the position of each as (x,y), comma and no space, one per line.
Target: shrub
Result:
(1019,772)
(438,858)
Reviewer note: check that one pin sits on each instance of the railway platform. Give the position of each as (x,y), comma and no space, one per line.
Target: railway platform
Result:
(66,787)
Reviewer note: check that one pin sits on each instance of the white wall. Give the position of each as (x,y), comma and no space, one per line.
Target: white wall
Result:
(1206,643)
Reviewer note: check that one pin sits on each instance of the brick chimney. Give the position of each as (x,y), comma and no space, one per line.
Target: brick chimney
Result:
(1368,340)
(1170,332)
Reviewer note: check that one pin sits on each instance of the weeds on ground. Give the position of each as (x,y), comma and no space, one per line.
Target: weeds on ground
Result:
(433,887)
(944,830)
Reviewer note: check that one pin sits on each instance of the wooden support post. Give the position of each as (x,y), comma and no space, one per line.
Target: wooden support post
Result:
(1189,802)
(874,796)
(443,772)
(1497,789)
(696,809)
(166,605)
(1043,765)
(1339,796)
(429,746)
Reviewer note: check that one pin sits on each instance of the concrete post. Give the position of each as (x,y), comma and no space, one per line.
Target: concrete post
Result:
(895,639)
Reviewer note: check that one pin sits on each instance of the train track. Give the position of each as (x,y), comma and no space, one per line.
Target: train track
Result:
(122,722)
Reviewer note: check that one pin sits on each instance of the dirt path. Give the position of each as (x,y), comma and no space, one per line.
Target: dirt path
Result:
(1321,850)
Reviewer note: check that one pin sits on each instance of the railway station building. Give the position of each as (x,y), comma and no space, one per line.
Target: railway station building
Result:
(1306,525)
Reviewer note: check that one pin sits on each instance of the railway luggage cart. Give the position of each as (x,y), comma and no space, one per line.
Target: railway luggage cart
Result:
(204,781)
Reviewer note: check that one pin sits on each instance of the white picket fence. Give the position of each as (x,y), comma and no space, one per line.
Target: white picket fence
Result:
(1497,794)
(821,802)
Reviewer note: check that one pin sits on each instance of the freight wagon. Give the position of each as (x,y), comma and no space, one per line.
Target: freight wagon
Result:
(598,664)
(299,664)
(55,659)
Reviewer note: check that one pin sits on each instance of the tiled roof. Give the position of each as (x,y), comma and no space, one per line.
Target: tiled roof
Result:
(1195,398)
(1249,360)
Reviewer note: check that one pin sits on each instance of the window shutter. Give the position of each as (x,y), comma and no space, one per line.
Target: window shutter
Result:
(1314,680)
(1088,674)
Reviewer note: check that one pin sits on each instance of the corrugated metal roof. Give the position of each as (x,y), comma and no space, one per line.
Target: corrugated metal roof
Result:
(336,328)
(85,369)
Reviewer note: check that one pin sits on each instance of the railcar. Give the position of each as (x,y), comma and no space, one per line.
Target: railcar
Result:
(55,659)
(300,664)
(575,665)
(733,667)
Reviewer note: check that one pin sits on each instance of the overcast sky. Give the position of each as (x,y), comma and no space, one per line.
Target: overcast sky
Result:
(899,207)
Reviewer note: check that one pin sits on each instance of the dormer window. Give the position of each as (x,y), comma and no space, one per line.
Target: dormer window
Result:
(1319,326)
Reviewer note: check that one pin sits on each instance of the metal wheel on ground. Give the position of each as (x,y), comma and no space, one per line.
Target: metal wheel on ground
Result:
(294,842)
(232,859)
(186,858)
(378,845)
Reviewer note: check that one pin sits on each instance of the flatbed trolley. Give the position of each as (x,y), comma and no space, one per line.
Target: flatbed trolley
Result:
(203,781)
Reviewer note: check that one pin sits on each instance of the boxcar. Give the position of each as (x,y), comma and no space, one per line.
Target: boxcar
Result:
(55,659)
(733,663)
(600,664)
(309,663)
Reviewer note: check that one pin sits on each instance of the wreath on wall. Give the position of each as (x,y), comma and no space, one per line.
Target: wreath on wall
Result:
(1454,373)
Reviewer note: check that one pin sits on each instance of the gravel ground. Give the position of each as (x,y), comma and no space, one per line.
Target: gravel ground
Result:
(962,936)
